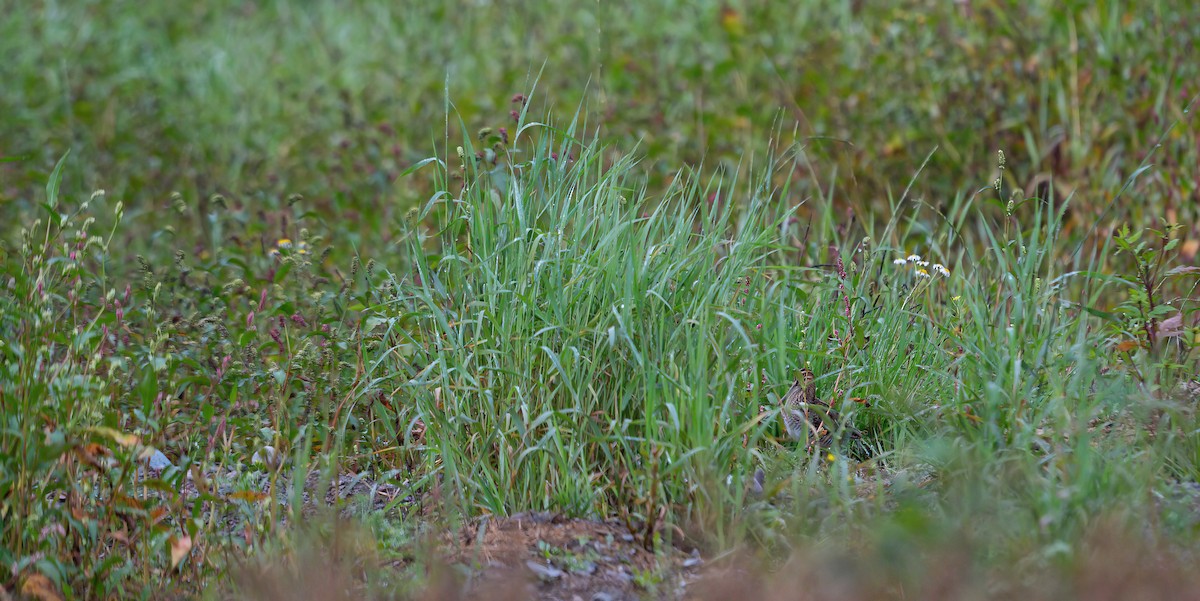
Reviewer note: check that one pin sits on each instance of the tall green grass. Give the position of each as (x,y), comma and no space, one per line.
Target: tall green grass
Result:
(574,342)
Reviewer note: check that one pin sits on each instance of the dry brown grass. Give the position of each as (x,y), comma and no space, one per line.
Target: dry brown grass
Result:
(1110,563)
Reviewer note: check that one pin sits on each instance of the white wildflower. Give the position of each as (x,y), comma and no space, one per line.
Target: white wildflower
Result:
(941,270)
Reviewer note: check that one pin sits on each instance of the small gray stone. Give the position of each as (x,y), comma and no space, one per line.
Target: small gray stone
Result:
(157,461)
(545,572)
(267,456)
(619,573)
(757,483)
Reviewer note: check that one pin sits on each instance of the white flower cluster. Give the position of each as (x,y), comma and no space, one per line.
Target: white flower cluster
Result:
(923,266)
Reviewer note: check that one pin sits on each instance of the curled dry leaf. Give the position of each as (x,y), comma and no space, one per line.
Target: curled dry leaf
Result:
(1184,270)
(417,434)
(1171,326)
(180,545)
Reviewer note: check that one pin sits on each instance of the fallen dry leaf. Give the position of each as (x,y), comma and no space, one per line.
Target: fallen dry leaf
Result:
(38,586)
(121,438)
(251,496)
(157,514)
(1189,249)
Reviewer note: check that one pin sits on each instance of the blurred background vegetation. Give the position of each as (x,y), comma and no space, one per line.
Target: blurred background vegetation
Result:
(259,100)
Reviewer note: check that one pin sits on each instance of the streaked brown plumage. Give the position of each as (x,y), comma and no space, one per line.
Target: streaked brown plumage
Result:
(807,418)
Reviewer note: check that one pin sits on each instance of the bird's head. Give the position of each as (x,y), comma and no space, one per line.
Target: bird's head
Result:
(806,377)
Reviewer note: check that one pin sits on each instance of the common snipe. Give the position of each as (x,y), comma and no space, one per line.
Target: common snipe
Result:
(807,418)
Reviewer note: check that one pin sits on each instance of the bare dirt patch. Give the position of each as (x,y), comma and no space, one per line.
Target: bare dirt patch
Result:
(545,556)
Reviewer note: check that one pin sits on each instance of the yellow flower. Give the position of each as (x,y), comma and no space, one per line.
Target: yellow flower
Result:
(731,22)
(830,458)
(284,243)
